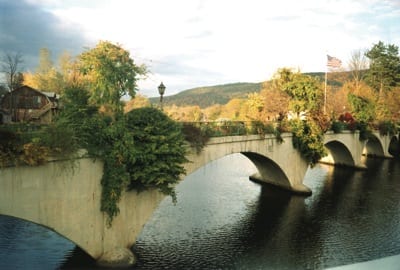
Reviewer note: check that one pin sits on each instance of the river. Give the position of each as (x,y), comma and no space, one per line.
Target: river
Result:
(224,221)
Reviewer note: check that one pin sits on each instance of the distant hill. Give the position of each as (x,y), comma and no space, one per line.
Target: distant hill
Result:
(210,95)
(221,94)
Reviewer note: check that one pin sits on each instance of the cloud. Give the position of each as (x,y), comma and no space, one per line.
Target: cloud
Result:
(26,28)
(194,43)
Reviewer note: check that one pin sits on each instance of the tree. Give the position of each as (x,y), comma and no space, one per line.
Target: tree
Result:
(305,92)
(47,77)
(231,110)
(393,104)
(362,108)
(358,65)
(255,104)
(276,101)
(3,90)
(213,112)
(112,74)
(139,101)
(11,66)
(384,67)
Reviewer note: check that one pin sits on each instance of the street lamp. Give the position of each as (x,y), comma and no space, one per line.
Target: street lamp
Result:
(161,91)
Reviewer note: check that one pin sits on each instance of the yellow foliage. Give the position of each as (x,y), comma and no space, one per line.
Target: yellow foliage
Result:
(139,101)
(30,80)
(34,154)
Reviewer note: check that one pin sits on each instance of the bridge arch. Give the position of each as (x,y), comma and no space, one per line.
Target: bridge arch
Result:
(339,153)
(382,145)
(279,164)
(268,170)
(394,147)
(373,147)
(344,149)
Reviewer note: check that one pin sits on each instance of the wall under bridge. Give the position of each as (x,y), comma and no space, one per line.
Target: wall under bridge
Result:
(66,199)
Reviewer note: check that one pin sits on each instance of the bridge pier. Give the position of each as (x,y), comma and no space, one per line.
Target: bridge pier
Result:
(299,189)
(119,258)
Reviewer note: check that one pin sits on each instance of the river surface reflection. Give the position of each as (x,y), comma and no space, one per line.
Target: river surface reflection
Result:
(224,221)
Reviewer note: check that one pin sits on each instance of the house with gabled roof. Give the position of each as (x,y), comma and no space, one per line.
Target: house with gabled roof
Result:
(26,104)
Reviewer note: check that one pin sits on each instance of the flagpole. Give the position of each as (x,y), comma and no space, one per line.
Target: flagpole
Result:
(326,81)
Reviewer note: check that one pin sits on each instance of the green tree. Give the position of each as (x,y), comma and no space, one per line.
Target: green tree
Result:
(363,109)
(384,67)
(305,91)
(112,74)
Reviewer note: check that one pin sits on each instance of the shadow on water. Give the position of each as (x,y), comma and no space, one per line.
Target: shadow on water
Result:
(78,259)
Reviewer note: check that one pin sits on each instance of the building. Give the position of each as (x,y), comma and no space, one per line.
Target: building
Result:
(26,104)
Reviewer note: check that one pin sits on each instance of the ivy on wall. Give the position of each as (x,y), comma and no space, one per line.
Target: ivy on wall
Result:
(308,138)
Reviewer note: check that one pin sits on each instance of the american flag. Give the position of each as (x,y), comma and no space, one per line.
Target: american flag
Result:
(333,62)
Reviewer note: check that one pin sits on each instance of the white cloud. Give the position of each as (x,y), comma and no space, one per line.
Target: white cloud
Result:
(194,43)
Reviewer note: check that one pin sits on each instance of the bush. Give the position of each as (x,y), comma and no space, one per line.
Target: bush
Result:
(34,154)
(9,147)
(338,126)
(308,139)
(387,128)
(365,131)
(195,136)
(143,149)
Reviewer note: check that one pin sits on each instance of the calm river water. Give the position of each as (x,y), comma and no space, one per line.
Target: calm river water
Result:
(224,221)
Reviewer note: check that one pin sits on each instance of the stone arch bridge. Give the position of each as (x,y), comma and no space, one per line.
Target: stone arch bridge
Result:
(66,198)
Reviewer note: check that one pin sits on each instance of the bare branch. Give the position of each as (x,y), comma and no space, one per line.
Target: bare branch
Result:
(11,66)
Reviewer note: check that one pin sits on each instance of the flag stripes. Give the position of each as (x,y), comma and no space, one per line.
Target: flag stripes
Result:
(333,62)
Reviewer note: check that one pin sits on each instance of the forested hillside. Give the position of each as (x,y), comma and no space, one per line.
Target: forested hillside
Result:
(221,94)
(210,95)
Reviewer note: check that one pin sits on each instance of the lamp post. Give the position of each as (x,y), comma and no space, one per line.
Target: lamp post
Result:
(161,91)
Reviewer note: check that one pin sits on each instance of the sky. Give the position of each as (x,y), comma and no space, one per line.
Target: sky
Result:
(193,43)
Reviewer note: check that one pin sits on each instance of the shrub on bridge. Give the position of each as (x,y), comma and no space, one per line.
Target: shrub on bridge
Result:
(338,126)
(196,137)
(142,149)
(387,128)
(308,139)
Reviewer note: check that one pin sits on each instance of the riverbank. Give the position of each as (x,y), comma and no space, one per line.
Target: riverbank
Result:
(388,263)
